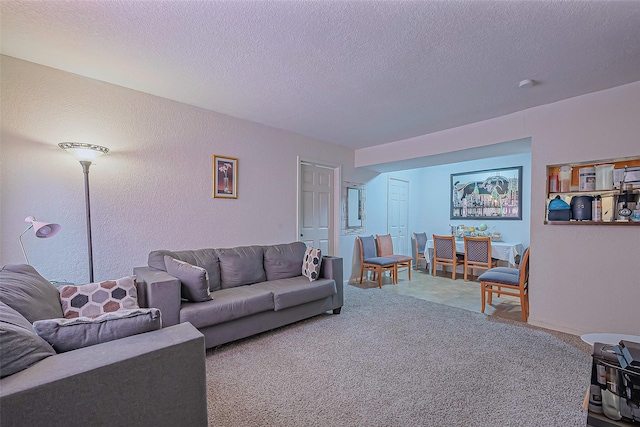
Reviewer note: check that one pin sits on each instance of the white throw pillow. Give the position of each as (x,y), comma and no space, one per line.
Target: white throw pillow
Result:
(311,263)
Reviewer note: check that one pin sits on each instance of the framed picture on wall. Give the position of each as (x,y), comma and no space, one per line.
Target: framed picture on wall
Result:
(225,177)
(487,194)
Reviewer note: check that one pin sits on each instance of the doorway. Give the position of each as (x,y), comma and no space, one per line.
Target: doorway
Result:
(316,205)
(398,215)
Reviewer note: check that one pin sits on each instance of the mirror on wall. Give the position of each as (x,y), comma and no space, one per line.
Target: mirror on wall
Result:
(353,208)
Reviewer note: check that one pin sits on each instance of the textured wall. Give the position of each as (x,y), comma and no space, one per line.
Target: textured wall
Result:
(153,189)
(583,278)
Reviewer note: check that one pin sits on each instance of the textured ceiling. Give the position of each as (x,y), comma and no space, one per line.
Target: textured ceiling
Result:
(353,73)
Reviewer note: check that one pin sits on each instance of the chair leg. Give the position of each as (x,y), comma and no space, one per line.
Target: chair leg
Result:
(489,294)
(409,270)
(525,301)
(482,291)
(523,306)
(466,270)
(453,272)
(361,275)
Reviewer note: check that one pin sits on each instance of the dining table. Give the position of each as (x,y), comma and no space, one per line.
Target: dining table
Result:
(504,251)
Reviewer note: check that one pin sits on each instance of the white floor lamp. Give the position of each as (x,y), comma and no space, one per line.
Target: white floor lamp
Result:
(43,230)
(86,154)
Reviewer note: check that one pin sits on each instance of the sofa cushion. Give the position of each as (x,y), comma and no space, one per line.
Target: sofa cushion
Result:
(501,275)
(227,304)
(311,263)
(26,291)
(283,261)
(71,334)
(98,298)
(241,266)
(20,345)
(297,290)
(205,258)
(194,281)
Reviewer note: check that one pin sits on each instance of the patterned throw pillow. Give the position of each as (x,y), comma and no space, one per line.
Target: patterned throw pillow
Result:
(311,263)
(98,298)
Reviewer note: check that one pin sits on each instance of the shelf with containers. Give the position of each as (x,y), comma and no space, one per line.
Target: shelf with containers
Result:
(615,183)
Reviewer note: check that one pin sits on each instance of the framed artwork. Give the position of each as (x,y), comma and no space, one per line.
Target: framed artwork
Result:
(487,194)
(225,177)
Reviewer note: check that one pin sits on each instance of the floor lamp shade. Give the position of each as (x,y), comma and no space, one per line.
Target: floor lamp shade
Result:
(43,230)
(86,154)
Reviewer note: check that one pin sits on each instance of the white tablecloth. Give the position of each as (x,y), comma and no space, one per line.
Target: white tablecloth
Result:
(505,251)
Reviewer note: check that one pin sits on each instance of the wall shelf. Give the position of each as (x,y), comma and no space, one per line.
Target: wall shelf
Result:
(608,197)
(607,223)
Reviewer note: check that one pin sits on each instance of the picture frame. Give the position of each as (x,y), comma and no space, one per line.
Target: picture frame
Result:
(487,194)
(225,177)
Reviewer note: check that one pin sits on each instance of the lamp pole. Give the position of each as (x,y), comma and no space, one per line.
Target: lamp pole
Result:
(86,153)
(85,169)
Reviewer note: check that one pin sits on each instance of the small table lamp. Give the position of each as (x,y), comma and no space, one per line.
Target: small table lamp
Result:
(43,230)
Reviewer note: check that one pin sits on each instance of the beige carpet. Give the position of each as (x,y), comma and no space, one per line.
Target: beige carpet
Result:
(393,360)
(466,295)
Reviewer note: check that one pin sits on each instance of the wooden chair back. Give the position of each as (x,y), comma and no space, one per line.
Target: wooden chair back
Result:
(477,255)
(444,254)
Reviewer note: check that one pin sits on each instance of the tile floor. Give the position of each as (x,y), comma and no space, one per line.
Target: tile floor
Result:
(466,295)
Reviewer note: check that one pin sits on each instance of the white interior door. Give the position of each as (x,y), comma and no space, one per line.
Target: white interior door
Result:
(316,206)
(398,215)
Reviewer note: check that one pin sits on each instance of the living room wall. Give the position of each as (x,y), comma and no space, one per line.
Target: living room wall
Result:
(583,278)
(153,190)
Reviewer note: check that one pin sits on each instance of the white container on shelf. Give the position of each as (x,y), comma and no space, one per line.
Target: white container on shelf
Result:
(604,177)
(565,179)
(587,179)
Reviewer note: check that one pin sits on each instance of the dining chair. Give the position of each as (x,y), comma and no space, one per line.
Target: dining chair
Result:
(384,244)
(444,253)
(508,281)
(477,255)
(370,261)
(420,243)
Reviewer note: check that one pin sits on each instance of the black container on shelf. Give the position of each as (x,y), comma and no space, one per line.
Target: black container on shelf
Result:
(581,208)
(559,210)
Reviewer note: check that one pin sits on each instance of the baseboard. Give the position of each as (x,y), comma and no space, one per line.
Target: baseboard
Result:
(555,327)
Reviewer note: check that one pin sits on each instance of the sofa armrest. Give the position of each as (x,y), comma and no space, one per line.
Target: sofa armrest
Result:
(331,268)
(158,289)
(157,378)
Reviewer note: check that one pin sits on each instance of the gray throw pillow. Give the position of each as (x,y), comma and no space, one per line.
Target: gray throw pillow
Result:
(20,345)
(205,258)
(27,292)
(194,280)
(71,334)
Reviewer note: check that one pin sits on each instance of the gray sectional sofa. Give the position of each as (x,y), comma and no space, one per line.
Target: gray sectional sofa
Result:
(154,378)
(252,288)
